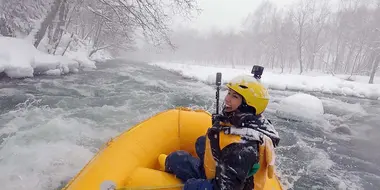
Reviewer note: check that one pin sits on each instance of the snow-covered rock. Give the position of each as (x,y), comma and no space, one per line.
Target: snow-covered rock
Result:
(301,107)
(19,58)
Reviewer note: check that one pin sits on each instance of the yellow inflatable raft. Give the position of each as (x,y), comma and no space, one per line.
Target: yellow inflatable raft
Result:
(130,161)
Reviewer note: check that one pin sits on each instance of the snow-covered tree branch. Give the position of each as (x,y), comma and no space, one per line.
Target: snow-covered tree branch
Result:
(105,23)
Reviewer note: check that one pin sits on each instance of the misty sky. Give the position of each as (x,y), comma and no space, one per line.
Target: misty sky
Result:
(227,14)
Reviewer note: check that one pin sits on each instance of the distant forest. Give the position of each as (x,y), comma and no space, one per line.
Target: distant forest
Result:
(341,37)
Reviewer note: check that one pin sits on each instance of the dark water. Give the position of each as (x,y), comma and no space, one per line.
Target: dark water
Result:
(338,151)
(51,126)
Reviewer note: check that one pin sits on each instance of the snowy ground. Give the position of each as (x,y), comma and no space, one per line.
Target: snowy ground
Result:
(19,59)
(312,82)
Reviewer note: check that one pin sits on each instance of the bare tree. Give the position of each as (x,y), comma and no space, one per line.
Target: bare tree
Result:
(375,43)
(319,18)
(301,16)
(48,21)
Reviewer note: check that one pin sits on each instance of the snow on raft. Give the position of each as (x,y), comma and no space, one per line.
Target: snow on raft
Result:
(19,58)
(300,107)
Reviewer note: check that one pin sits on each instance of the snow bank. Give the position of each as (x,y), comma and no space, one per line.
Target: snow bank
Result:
(101,56)
(301,107)
(19,58)
(340,108)
(79,49)
(322,83)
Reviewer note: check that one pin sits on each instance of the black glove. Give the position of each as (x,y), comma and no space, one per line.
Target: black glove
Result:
(217,118)
(245,120)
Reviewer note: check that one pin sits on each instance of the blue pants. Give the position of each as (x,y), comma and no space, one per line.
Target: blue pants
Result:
(188,168)
(184,166)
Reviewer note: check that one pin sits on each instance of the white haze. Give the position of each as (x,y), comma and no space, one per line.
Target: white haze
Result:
(225,14)
(330,37)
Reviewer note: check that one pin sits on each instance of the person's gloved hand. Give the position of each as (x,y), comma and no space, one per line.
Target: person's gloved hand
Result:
(246,120)
(217,118)
(198,184)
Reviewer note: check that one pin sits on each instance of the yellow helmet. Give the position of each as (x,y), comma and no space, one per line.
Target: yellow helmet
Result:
(254,93)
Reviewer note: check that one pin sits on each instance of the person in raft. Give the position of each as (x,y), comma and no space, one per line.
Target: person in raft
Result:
(238,150)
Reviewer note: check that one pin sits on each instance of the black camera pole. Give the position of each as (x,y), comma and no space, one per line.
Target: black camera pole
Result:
(218,83)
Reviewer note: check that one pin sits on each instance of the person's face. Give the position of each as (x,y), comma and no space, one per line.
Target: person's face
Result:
(232,101)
